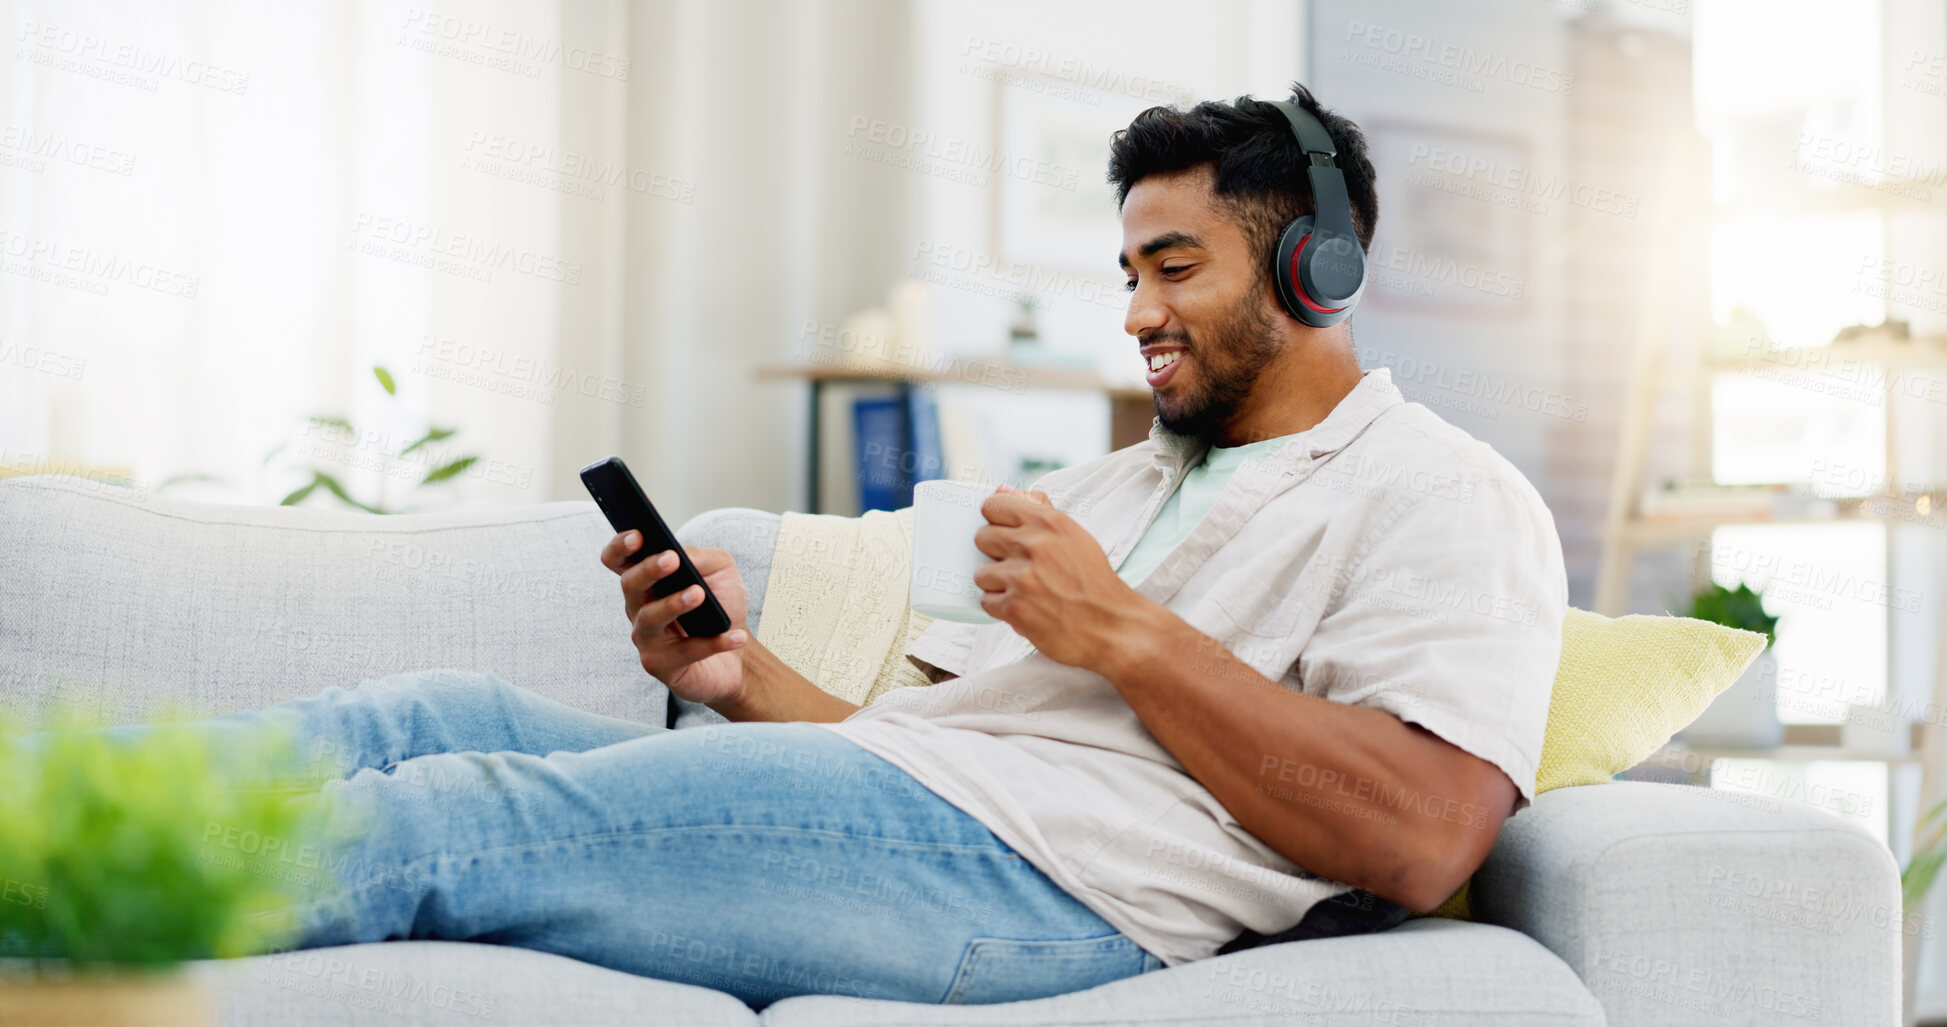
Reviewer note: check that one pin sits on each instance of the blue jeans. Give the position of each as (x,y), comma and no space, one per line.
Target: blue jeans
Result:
(760,859)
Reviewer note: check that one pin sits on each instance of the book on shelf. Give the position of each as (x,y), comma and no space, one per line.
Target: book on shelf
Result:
(896,444)
(923,437)
(878,435)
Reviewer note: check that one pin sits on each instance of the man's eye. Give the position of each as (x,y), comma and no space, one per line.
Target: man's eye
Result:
(1167,272)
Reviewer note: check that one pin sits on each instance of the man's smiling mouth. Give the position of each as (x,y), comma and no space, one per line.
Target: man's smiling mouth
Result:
(1163,365)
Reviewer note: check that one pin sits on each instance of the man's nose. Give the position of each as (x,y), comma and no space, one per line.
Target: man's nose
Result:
(1146,312)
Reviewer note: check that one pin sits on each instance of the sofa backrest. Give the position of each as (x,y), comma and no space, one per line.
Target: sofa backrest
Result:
(126,604)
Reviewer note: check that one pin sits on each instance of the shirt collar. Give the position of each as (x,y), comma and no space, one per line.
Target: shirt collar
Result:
(1372,396)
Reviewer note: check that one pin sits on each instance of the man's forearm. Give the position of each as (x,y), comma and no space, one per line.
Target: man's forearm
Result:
(1336,788)
(775,692)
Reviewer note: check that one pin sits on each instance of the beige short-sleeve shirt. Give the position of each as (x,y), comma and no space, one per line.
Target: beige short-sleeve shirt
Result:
(1382,557)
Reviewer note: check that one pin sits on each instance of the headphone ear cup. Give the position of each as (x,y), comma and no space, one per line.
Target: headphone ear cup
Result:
(1284,273)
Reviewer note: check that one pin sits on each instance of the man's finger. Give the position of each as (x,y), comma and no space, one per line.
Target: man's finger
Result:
(1039,497)
(1004,509)
(709,561)
(990,577)
(988,539)
(646,572)
(653,619)
(619,548)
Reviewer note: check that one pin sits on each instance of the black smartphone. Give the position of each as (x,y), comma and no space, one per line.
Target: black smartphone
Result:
(616,492)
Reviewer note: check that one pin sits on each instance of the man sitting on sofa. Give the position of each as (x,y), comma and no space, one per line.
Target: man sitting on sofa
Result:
(1281,670)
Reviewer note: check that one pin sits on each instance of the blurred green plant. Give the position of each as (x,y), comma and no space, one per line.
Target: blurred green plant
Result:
(389,463)
(142,851)
(1929,855)
(1734,608)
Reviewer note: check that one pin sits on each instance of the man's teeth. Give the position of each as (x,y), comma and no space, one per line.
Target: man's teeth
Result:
(1158,361)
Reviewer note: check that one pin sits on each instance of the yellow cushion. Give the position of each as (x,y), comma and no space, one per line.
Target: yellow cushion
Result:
(1623,687)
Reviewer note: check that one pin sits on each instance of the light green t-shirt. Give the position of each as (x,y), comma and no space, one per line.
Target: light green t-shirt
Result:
(1193,498)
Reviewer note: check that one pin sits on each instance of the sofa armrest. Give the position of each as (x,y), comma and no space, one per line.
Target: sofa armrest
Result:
(1686,905)
(750,537)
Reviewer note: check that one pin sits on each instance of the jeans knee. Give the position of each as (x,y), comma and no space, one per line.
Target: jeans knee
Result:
(435,685)
(381,825)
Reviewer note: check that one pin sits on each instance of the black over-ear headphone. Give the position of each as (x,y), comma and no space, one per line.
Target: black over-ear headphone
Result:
(1320,268)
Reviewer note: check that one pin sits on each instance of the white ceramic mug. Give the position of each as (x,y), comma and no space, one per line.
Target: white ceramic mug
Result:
(945,516)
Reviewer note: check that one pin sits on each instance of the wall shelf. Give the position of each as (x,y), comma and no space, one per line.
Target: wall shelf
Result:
(1132,409)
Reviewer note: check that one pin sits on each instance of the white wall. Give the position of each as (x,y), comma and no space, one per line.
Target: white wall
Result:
(1383,64)
(1097,64)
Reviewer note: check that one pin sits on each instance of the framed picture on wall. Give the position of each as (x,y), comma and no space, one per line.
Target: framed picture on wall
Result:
(1052,207)
(1458,211)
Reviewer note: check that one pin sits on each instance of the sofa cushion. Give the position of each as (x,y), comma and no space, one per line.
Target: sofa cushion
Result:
(449,984)
(1420,974)
(1627,684)
(129,604)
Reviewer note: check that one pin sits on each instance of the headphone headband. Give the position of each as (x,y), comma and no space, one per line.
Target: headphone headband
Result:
(1311,135)
(1331,203)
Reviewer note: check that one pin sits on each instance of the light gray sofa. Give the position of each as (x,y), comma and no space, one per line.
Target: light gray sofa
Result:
(1624,903)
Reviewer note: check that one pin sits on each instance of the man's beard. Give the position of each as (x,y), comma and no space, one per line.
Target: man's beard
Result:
(1228,365)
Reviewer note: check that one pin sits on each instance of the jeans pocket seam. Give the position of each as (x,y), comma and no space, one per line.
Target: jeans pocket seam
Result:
(963,974)
(1089,954)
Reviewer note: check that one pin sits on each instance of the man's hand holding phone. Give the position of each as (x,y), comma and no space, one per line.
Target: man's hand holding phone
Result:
(694,638)
(704,670)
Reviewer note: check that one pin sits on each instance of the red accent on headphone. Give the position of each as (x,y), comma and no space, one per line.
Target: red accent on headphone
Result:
(1298,284)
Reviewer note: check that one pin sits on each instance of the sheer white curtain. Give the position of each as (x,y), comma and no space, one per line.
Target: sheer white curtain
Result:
(568,229)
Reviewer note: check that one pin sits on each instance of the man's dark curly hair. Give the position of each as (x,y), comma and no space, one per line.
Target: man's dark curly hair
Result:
(1259,168)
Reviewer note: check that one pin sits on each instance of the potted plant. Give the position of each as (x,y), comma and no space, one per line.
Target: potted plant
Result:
(123,854)
(328,446)
(339,443)
(1745,715)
